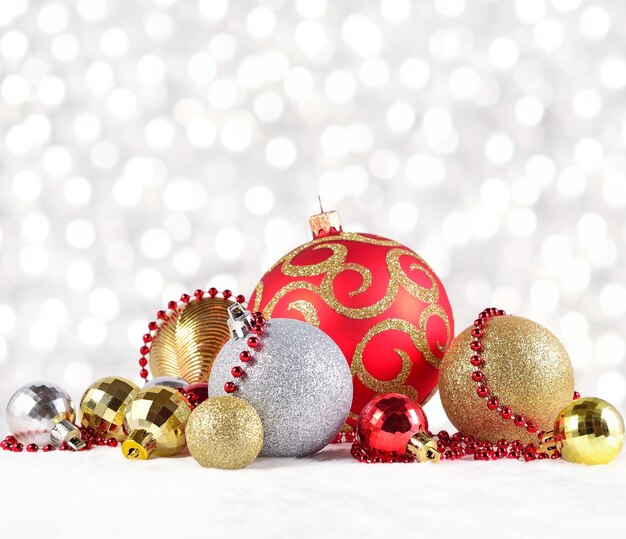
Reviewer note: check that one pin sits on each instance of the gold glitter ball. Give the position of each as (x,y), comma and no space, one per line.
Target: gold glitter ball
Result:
(589,431)
(155,423)
(225,432)
(104,403)
(525,366)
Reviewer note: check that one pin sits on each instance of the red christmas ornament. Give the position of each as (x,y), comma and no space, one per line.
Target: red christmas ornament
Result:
(392,426)
(377,299)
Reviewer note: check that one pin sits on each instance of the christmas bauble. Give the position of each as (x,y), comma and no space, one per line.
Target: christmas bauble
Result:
(377,299)
(589,431)
(35,409)
(224,432)
(104,404)
(187,337)
(298,381)
(392,426)
(155,424)
(505,377)
(388,421)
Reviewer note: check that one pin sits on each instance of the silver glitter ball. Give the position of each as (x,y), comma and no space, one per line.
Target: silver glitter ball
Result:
(298,381)
(35,408)
(175,382)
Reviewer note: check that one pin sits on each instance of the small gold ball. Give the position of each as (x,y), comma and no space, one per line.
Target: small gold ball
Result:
(590,430)
(225,432)
(104,403)
(525,366)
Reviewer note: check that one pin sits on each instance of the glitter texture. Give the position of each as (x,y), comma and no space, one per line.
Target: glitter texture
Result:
(33,410)
(299,382)
(224,432)
(526,368)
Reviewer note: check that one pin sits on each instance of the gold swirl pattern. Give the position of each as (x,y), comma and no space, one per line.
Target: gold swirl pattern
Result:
(308,311)
(399,383)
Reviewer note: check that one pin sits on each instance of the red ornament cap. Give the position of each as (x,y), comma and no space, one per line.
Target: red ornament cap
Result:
(325,223)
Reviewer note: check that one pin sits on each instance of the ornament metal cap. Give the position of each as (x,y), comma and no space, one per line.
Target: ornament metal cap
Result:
(66,431)
(325,223)
(423,448)
(239,321)
(549,443)
(139,445)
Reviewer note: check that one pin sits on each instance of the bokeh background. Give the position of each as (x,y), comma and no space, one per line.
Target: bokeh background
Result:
(149,148)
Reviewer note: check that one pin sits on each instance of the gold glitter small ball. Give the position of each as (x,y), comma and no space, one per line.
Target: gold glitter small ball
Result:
(589,431)
(225,432)
(525,366)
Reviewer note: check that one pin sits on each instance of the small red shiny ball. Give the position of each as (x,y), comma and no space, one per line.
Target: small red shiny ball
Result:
(245,356)
(531,426)
(576,395)
(143,373)
(199,294)
(227,294)
(477,332)
(478,376)
(162,315)
(476,360)
(48,448)
(240,298)
(479,323)
(147,338)
(143,361)
(144,350)
(32,448)
(476,346)
(482,391)
(230,387)
(17,447)
(185,298)
(519,420)
(199,391)
(506,413)
(172,305)
(492,403)
(212,291)
(258,330)
(236,371)
(153,326)
(112,442)
(253,342)
(387,423)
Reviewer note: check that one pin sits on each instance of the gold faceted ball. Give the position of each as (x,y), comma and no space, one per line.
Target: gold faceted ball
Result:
(103,406)
(188,342)
(225,432)
(589,431)
(525,367)
(155,423)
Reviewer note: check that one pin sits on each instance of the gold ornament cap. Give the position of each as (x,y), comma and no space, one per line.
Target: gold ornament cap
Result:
(140,444)
(423,448)
(325,223)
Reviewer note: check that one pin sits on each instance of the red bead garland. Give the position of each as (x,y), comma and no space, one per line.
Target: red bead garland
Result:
(245,356)
(88,435)
(175,307)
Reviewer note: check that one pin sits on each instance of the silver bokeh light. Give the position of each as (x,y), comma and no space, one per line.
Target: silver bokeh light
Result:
(36,409)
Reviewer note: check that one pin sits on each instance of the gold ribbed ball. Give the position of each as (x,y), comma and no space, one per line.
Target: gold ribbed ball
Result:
(225,432)
(525,366)
(589,431)
(188,342)
(104,403)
